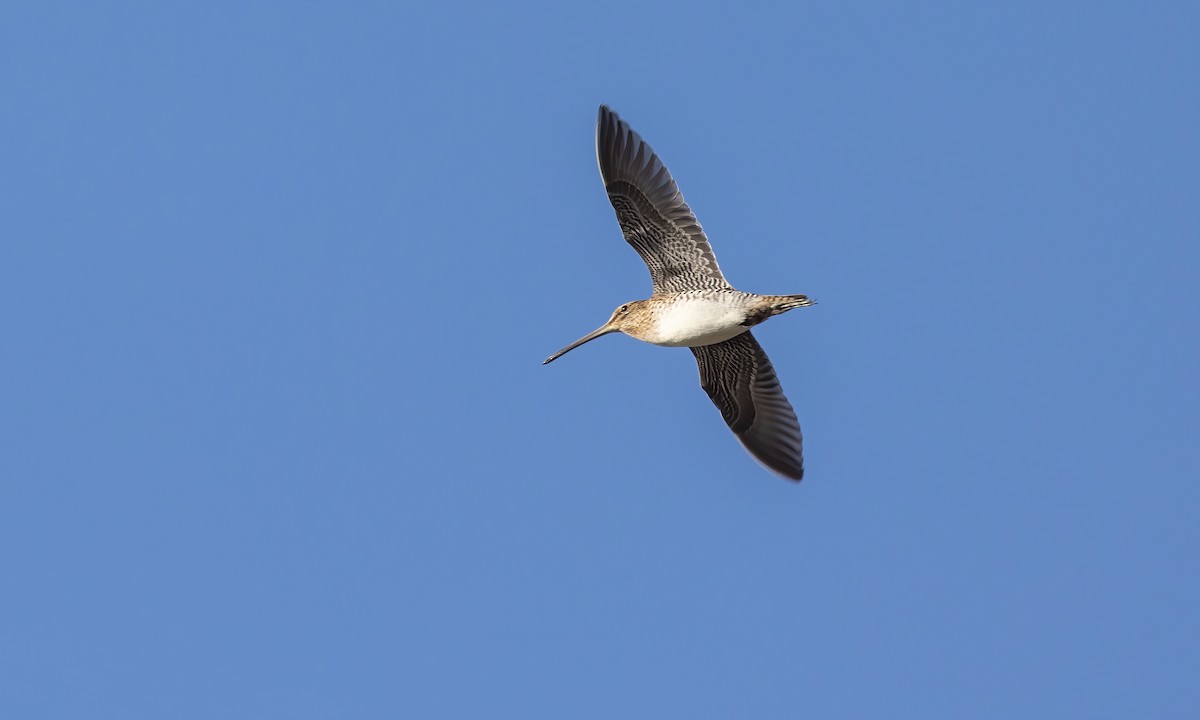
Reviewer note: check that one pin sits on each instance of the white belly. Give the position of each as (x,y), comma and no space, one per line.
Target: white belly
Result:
(697,321)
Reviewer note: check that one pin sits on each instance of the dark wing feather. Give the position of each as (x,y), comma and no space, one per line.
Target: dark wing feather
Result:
(653,216)
(739,378)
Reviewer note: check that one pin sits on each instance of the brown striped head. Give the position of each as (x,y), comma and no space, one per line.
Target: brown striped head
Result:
(630,316)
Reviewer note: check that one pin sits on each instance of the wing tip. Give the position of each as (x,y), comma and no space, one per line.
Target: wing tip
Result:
(789,468)
(607,118)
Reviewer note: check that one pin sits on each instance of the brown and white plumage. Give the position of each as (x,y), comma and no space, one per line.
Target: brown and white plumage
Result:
(693,305)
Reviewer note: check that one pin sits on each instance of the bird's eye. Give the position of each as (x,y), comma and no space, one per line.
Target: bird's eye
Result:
(623,308)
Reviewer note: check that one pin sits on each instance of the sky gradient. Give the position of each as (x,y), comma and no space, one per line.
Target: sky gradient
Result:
(276,283)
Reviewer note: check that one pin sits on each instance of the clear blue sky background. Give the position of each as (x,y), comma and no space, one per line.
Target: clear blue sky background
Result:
(276,282)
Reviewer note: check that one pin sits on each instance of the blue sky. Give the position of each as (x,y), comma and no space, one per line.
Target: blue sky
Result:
(277,279)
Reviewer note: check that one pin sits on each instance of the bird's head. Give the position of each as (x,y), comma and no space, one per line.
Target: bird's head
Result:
(625,318)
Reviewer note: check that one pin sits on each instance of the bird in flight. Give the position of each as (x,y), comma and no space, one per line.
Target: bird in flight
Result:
(693,305)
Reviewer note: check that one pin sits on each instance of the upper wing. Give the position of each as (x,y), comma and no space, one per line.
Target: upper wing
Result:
(739,378)
(653,216)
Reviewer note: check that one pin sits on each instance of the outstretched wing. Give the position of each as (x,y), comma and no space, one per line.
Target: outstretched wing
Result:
(739,378)
(653,216)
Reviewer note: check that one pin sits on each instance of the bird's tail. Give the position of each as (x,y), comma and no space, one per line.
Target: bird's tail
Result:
(783,303)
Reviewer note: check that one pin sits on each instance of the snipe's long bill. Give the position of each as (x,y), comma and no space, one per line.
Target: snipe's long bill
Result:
(693,306)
